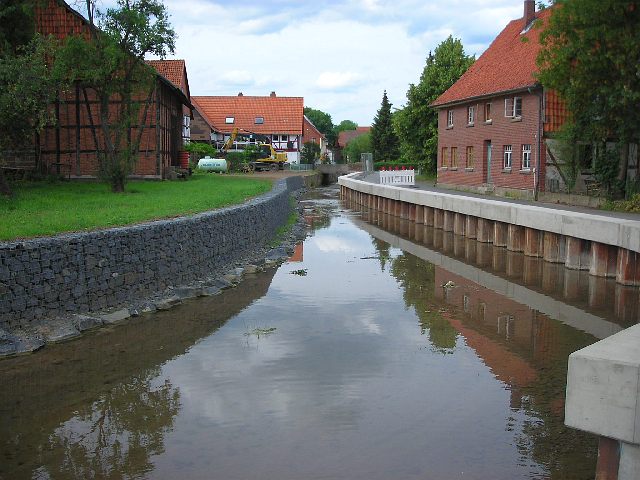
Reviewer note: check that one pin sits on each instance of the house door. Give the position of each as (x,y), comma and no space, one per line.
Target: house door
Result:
(488,175)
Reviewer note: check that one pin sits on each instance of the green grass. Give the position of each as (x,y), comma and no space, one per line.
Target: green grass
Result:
(41,209)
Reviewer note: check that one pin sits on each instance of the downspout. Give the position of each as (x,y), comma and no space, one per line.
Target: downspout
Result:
(536,182)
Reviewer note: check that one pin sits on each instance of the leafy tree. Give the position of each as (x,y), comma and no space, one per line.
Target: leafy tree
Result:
(591,57)
(322,122)
(384,141)
(417,123)
(346,125)
(310,153)
(28,81)
(112,63)
(360,144)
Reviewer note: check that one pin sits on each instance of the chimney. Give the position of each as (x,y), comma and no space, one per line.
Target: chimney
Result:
(273,94)
(240,94)
(529,12)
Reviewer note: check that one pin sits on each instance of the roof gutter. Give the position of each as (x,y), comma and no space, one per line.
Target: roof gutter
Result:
(454,103)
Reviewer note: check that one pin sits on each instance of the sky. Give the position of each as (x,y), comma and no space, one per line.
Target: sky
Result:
(340,55)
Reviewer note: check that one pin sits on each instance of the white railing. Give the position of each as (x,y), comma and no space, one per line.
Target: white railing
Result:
(397,177)
(298,167)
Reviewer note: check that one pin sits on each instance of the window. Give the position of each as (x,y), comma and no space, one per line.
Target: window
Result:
(284,138)
(507,156)
(471,114)
(454,157)
(470,160)
(487,112)
(513,107)
(443,157)
(229,120)
(526,157)
(259,120)
(449,118)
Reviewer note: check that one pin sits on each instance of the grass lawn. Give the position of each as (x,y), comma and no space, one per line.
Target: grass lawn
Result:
(40,209)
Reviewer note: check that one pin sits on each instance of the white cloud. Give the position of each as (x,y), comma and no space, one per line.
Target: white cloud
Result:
(338,54)
(337,80)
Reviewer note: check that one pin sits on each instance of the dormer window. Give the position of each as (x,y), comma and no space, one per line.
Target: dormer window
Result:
(229,120)
(259,120)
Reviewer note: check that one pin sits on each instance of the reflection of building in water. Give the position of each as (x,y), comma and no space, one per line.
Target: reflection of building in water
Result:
(298,253)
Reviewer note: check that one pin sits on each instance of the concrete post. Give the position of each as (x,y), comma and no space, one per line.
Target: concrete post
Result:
(471,226)
(515,238)
(420,214)
(604,260)
(578,253)
(460,224)
(603,397)
(533,242)
(485,230)
(500,234)
(428,216)
(554,248)
(447,224)
(438,218)
(628,269)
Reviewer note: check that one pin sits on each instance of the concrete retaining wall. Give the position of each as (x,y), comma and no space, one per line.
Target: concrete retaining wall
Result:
(97,270)
(605,246)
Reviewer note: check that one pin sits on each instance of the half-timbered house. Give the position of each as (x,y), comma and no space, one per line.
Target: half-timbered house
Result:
(278,120)
(73,144)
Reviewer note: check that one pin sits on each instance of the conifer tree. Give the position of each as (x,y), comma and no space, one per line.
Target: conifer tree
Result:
(384,141)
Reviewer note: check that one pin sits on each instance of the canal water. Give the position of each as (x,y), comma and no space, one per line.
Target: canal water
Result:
(380,350)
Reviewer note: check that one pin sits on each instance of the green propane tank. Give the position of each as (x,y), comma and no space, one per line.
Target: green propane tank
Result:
(212,164)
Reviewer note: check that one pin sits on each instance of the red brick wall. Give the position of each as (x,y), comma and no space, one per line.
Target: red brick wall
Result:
(500,131)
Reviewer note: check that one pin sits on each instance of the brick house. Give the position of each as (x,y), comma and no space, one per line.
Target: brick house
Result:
(345,136)
(311,134)
(278,120)
(496,122)
(72,145)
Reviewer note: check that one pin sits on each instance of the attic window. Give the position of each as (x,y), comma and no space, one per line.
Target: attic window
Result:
(229,120)
(259,120)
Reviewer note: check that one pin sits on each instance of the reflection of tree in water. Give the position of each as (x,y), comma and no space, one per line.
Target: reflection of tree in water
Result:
(565,453)
(115,436)
(417,278)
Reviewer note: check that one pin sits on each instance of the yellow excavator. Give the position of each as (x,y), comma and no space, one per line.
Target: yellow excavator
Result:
(268,158)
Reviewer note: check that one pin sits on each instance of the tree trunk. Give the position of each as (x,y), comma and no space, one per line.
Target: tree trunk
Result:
(5,190)
(117,185)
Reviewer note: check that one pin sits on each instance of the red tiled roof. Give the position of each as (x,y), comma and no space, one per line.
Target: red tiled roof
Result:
(346,136)
(282,115)
(507,65)
(173,70)
(204,115)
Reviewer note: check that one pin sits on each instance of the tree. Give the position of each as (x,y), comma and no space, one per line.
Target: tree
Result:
(590,56)
(417,123)
(322,121)
(384,141)
(112,63)
(310,153)
(360,144)
(346,125)
(28,80)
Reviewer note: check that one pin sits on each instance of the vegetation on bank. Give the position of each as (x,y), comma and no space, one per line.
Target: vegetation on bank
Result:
(41,208)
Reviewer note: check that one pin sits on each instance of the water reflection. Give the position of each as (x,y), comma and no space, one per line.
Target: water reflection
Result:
(98,407)
(403,352)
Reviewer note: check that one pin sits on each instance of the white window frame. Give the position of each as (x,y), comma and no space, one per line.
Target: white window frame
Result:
(471,113)
(526,157)
(259,120)
(449,118)
(488,113)
(513,107)
(229,120)
(507,157)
